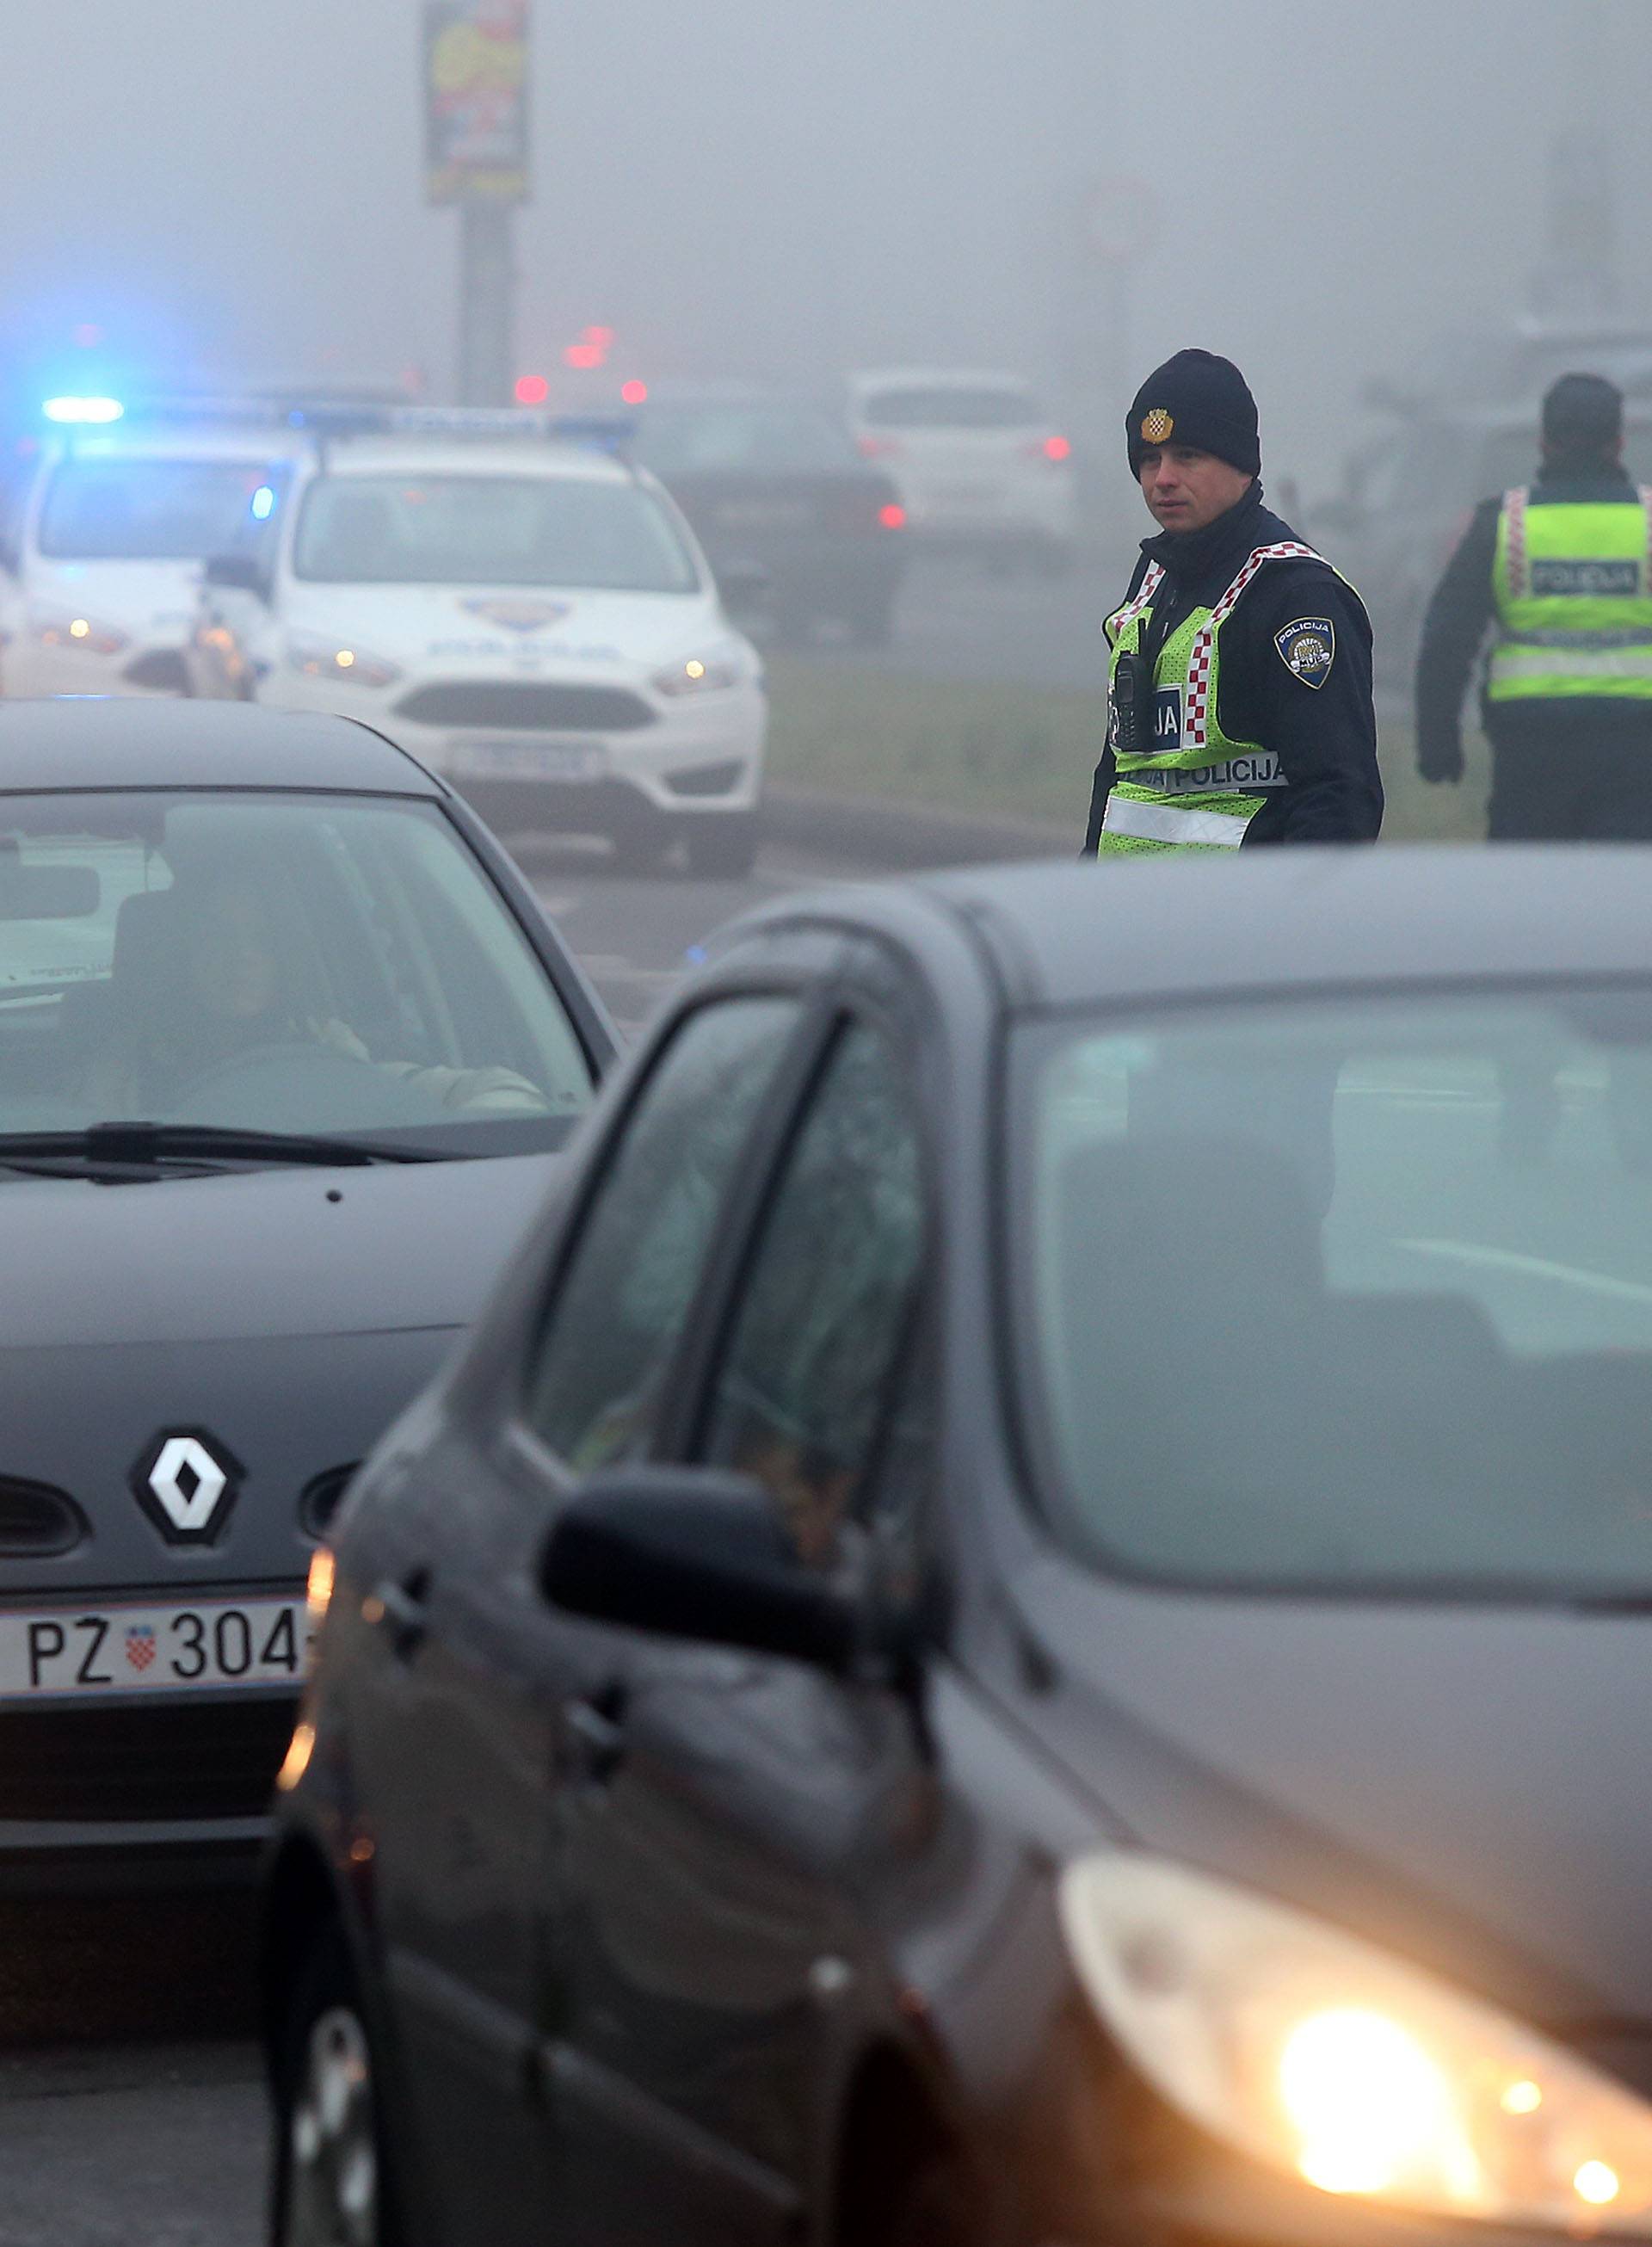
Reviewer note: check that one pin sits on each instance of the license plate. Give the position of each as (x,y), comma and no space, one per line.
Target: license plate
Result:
(516,760)
(156,1648)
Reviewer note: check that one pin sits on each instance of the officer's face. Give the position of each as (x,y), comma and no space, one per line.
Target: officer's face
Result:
(1185,490)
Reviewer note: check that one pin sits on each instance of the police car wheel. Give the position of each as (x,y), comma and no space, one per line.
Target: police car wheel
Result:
(723,850)
(330,2180)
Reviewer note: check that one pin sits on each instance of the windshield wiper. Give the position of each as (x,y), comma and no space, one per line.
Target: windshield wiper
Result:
(139,1146)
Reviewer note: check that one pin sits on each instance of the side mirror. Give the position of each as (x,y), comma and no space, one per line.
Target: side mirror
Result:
(237,573)
(743,584)
(695,1552)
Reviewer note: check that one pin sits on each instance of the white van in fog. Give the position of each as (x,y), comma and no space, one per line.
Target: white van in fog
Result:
(976,460)
(102,568)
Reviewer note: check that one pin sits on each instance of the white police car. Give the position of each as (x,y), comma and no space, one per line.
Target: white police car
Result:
(526,613)
(102,567)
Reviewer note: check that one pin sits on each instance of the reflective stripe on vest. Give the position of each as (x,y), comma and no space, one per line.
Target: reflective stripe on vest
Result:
(1573,584)
(1173,824)
(1184,798)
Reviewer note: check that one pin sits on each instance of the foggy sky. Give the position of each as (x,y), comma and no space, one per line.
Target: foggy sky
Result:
(792,187)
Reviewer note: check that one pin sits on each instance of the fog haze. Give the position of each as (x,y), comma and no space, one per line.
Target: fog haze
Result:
(792,187)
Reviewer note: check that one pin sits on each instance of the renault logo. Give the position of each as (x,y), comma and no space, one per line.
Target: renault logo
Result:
(187,1482)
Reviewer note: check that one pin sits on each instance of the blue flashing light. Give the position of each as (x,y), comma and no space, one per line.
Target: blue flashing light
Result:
(84,413)
(263,503)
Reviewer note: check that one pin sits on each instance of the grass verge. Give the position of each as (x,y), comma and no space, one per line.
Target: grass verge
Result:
(1018,751)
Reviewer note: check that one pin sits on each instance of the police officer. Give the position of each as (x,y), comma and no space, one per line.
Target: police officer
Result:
(1239,696)
(1560,572)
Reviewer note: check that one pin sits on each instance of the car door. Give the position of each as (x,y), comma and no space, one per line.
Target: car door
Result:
(453,1722)
(706,1878)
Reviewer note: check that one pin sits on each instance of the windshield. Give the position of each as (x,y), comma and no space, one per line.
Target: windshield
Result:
(690,440)
(304,964)
(1348,1295)
(153,510)
(490,530)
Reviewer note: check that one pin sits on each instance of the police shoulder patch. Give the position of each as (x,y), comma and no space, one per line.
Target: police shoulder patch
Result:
(1308,649)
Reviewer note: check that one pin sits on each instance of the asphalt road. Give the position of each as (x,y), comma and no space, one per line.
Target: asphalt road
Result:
(131,2103)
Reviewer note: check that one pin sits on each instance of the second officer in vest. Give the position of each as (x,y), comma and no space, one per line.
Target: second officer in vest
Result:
(1240,703)
(1560,575)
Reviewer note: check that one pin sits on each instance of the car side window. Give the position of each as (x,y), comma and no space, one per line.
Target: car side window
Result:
(594,1390)
(802,1398)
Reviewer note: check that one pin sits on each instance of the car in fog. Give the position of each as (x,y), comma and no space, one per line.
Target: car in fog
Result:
(100,564)
(780,500)
(287,1052)
(531,618)
(979,467)
(1023,1621)
(1408,499)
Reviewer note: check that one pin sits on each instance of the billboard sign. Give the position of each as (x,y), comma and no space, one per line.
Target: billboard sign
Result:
(476,100)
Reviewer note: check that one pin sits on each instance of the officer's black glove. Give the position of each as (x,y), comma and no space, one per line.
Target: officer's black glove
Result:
(1440,760)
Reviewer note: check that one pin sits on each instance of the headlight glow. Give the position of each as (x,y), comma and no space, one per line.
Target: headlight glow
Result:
(81,633)
(319,1588)
(341,660)
(701,674)
(1323,2056)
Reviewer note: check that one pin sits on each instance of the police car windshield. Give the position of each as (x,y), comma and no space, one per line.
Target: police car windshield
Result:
(1347,1296)
(110,510)
(328,964)
(566,531)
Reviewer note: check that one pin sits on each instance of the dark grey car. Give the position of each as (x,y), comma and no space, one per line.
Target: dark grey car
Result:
(286,1052)
(1024,1622)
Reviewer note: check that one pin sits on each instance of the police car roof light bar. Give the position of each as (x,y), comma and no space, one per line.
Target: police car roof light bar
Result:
(608,432)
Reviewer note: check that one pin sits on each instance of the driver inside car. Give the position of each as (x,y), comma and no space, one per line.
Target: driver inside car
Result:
(210,988)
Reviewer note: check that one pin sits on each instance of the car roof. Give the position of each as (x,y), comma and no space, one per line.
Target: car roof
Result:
(124,741)
(939,378)
(414,455)
(1073,934)
(252,445)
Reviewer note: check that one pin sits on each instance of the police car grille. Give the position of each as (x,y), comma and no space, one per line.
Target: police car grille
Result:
(526,705)
(102,1761)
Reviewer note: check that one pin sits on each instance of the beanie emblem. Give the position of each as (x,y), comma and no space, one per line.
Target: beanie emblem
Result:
(1157,425)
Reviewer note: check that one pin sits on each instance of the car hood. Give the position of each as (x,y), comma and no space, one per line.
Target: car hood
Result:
(1469,1785)
(254,1254)
(149,601)
(282,1329)
(481,629)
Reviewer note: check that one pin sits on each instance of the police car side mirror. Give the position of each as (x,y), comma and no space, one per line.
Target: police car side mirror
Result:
(237,573)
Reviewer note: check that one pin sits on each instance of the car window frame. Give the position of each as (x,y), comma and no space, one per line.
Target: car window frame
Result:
(708,1333)
(768,1127)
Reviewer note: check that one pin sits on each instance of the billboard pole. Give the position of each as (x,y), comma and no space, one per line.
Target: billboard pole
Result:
(476,157)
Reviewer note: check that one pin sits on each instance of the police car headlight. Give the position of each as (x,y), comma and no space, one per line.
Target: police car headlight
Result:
(1325,2057)
(81,633)
(341,660)
(705,673)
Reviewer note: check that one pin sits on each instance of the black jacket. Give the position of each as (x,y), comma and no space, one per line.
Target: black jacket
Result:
(1324,736)
(1454,636)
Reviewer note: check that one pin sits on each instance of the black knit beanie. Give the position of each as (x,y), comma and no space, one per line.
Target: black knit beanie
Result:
(1199,400)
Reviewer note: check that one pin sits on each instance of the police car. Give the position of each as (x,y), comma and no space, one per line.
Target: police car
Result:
(103,561)
(521,608)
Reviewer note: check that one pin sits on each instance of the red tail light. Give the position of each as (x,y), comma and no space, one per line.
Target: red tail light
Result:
(893,517)
(877,448)
(1051,448)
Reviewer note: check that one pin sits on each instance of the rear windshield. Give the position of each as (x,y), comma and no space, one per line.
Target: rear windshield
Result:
(1346,1297)
(154,511)
(490,530)
(950,408)
(689,439)
(307,964)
